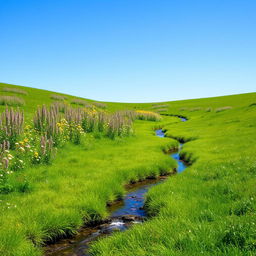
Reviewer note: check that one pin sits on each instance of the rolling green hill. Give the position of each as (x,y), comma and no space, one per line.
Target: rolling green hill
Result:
(207,210)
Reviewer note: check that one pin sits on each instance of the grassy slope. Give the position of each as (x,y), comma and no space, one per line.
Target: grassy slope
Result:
(33,98)
(77,185)
(210,208)
(192,209)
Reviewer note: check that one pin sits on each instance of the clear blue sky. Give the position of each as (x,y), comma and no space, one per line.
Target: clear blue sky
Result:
(130,50)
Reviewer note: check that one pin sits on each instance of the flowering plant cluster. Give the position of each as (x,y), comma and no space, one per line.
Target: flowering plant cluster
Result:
(11,126)
(52,127)
(5,159)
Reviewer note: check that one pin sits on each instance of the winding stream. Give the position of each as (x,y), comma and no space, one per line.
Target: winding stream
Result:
(123,214)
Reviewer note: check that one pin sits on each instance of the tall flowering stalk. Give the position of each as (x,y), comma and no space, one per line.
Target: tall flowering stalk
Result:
(130,114)
(74,115)
(74,118)
(59,107)
(119,125)
(11,126)
(45,121)
(90,121)
(5,158)
(47,150)
(102,119)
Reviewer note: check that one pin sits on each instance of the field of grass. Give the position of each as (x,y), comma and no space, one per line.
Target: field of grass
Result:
(210,208)
(207,210)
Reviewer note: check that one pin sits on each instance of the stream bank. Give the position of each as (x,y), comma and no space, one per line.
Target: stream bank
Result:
(123,214)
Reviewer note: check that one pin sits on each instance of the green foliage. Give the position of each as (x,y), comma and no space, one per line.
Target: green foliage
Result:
(5,188)
(207,210)
(24,187)
(210,208)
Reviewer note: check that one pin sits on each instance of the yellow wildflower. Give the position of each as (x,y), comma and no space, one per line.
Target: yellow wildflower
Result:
(10,156)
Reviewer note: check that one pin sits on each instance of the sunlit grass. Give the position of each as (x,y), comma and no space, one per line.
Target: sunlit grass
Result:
(210,208)
(207,210)
(79,183)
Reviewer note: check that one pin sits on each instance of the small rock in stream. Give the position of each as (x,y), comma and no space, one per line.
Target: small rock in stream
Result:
(129,218)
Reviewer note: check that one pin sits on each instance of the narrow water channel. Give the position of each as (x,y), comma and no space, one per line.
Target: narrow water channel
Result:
(123,214)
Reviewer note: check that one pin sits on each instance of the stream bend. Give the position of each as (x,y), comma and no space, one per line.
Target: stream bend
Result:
(123,214)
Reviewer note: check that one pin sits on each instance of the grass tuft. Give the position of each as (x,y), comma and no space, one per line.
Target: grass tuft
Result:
(58,97)
(223,109)
(11,101)
(79,102)
(100,105)
(15,90)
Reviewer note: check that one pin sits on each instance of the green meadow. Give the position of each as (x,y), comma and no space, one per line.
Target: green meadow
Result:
(209,209)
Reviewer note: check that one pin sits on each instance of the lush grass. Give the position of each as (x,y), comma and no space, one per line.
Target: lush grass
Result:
(49,201)
(34,97)
(210,208)
(78,185)
(207,210)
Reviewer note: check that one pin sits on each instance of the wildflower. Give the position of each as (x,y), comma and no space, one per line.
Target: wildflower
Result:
(10,157)
(36,154)
(22,149)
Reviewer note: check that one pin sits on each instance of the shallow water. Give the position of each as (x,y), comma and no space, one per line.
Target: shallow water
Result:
(181,164)
(123,214)
(133,202)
